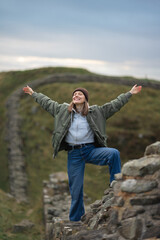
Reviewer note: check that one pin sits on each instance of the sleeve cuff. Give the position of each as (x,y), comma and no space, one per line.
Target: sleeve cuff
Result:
(128,95)
(34,94)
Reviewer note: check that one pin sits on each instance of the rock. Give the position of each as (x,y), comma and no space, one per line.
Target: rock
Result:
(108,203)
(118,176)
(145,200)
(86,217)
(107,197)
(93,223)
(128,213)
(57,230)
(60,176)
(153,231)
(142,166)
(118,201)
(154,210)
(153,149)
(67,231)
(107,191)
(54,212)
(110,237)
(131,228)
(113,222)
(138,186)
(24,225)
(90,234)
(96,204)
(95,210)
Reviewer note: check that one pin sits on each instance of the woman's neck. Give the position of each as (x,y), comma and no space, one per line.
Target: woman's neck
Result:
(79,108)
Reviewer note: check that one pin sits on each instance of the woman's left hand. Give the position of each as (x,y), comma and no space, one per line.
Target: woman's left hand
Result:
(135,89)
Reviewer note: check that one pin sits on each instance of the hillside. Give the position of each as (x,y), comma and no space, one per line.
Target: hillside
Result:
(130,130)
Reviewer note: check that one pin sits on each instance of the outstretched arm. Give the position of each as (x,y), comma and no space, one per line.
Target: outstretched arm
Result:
(115,105)
(46,103)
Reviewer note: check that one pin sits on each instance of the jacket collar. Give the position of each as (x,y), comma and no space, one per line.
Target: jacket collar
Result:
(90,110)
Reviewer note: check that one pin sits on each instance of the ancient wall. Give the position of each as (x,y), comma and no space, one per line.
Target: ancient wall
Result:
(129,210)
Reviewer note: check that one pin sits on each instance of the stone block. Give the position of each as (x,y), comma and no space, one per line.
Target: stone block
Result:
(110,237)
(96,204)
(131,228)
(113,222)
(132,212)
(106,192)
(145,200)
(91,234)
(60,176)
(86,217)
(108,203)
(152,232)
(54,212)
(107,197)
(153,149)
(154,210)
(118,176)
(118,201)
(141,167)
(138,186)
(93,222)
(24,225)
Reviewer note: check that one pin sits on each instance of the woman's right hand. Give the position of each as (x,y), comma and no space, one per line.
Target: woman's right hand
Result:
(28,90)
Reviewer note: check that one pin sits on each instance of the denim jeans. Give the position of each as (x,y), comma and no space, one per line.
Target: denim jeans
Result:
(76,166)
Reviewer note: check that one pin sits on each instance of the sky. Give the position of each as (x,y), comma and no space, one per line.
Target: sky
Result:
(109,37)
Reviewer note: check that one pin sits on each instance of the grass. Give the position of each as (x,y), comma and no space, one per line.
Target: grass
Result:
(130,130)
(12,213)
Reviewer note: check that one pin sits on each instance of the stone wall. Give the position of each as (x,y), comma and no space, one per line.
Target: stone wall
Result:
(56,205)
(129,210)
(16,161)
(56,201)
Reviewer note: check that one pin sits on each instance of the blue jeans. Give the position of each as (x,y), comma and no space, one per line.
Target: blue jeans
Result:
(76,165)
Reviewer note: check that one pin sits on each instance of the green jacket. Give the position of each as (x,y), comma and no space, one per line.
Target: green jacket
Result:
(96,118)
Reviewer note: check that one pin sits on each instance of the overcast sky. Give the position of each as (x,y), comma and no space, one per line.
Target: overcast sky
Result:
(111,37)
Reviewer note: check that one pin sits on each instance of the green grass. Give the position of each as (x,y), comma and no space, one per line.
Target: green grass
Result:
(12,213)
(130,130)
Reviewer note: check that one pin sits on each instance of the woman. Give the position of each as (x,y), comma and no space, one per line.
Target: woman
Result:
(81,130)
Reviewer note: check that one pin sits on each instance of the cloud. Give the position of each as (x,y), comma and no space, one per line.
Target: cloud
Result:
(106,46)
(126,68)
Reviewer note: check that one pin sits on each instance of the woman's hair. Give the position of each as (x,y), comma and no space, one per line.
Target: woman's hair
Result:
(84,110)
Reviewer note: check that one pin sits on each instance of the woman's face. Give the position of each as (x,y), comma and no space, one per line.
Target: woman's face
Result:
(78,97)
